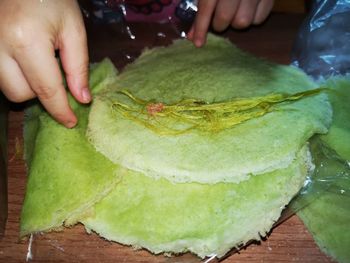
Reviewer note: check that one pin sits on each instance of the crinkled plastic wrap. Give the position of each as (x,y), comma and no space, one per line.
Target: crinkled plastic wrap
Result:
(123,12)
(331,174)
(165,11)
(322,46)
(164,20)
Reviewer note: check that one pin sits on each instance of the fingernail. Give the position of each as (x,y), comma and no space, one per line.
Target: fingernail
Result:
(71,124)
(198,43)
(86,94)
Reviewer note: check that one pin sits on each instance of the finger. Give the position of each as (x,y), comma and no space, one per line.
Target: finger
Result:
(74,57)
(12,82)
(263,10)
(40,68)
(224,13)
(202,21)
(245,14)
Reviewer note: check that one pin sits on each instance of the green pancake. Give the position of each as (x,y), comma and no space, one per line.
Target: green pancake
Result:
(218,72)
(328,220)
(66,175)
(204,219)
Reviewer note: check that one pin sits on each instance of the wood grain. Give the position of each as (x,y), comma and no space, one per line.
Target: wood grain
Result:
(289,242)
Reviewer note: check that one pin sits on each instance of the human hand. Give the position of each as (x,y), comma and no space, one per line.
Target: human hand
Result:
(223,13)
(30,32)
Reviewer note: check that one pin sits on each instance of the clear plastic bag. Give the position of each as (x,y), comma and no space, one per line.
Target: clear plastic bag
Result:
(322,47)
(127,20)
(125,12)
(115,11)
(331,174)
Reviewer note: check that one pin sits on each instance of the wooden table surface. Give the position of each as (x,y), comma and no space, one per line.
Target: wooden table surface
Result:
(288,242)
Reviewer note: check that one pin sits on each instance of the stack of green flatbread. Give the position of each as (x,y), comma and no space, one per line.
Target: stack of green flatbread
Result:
(125,174)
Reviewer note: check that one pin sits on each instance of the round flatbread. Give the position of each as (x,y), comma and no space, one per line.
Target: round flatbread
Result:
(204,219)
(218,72)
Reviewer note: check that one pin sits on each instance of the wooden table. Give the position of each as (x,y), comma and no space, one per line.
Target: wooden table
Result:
(289,242)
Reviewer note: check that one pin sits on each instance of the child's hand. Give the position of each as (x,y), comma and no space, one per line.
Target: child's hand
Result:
(30,32)
(223,13)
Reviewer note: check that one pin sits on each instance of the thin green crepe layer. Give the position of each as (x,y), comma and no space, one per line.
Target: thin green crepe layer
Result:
(214,73)
(204,219)
(66,175)
(328,220)
(338,136)
(328,216)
